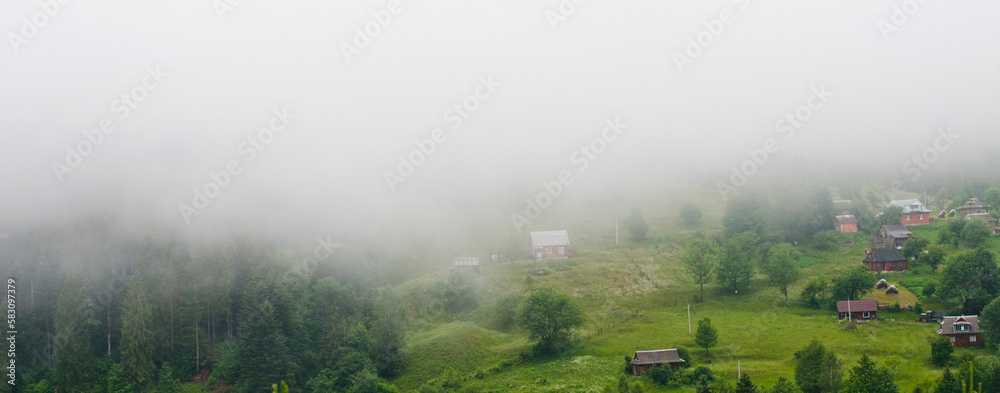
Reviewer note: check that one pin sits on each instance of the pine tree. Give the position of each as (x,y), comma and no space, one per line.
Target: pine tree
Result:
(867,377)
(948,383)
(745,385)
(137,335)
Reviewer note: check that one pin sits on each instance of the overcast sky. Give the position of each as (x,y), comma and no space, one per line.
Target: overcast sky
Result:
(549,80)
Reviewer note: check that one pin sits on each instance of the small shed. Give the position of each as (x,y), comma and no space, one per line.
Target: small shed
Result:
(881,284)
(466,263)
(861,310)
(644,360)
(847,224)
(549,244)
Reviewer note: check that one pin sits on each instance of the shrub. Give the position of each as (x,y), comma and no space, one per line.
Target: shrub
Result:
(660,375)
(941,350)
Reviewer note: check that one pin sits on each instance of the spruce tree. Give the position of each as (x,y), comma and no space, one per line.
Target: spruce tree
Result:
(137,335)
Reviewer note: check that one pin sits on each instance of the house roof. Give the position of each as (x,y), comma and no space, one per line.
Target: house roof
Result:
(984,216)
(897,230)
(472,261)
(910,205)
(888,254)
(858,305)
(948,324)
(658,356)
(549,238)
(973,203)
(847,219)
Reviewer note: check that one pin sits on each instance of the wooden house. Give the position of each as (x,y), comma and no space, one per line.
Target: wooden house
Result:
(861,310)
(847,224)
(887,259)
(973,206)
(914,212)
(891,236)
(549,244)
(644,360)
(963,331)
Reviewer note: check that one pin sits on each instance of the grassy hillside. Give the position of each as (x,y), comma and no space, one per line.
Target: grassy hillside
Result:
(635,297)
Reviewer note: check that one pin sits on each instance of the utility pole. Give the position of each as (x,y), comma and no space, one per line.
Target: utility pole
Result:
(689,317)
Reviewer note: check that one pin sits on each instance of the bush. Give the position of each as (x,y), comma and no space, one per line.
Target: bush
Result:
(976,232)
(941,350)
(662,375)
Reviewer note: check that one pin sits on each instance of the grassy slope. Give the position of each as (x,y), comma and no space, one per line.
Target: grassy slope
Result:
(612,284)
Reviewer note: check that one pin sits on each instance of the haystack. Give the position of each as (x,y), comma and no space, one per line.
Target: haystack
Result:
(892,290)
(881,284)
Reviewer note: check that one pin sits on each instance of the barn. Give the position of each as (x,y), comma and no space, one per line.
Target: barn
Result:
(963,331)
(549,244)
(644,360)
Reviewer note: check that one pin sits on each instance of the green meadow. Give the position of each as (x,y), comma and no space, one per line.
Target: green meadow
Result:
(636,296)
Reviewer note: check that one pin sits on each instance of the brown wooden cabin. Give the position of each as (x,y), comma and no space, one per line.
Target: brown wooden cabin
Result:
(887,259)
(644,360)
(963,331)
(861,310)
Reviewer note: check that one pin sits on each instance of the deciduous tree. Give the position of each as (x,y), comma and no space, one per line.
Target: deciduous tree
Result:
(701,256)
